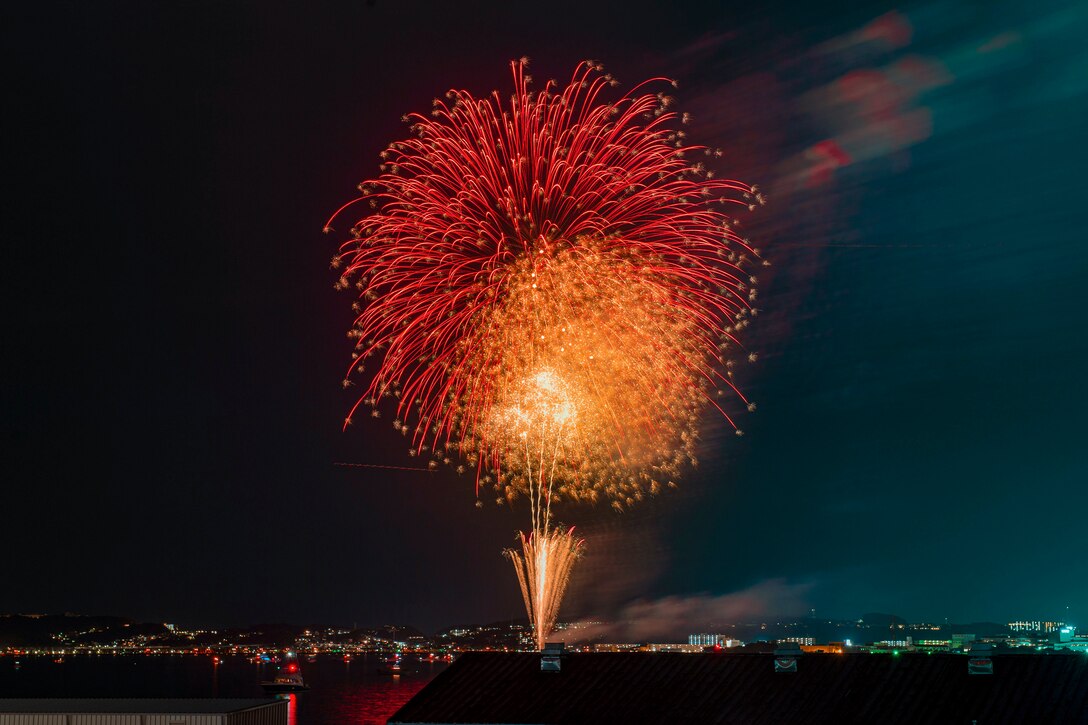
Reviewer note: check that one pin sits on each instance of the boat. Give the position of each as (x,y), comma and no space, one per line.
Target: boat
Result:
(288,680)
(392,669)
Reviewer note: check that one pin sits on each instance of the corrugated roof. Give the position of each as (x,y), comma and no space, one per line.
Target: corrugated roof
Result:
(640,687)
(203,706)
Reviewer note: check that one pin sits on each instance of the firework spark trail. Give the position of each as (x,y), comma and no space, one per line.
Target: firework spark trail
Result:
(379,465)
(550,290)
(543,567)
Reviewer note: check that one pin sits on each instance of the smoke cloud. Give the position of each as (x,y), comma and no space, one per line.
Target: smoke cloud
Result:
(673,618)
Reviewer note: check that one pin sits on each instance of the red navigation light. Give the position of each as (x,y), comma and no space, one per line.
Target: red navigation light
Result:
(292,668)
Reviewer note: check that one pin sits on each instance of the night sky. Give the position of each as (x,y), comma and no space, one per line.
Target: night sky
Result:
(173,346)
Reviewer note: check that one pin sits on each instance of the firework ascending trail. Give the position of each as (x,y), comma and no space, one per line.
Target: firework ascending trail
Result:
(543,567)
(550,289)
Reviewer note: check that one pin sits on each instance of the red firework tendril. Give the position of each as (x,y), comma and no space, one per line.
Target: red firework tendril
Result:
(486,194)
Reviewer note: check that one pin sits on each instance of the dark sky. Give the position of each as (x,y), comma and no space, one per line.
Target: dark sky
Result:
(173,347)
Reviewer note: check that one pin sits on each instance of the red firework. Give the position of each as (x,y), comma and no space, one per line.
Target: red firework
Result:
(487,187)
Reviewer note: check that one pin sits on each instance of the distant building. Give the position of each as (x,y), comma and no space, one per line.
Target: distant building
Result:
(613,647)
(960,641)
(1070,640)
(1035,626)
(808,641)
(672,647)
(638,687)
(105,711)
(712,640)
(836,648)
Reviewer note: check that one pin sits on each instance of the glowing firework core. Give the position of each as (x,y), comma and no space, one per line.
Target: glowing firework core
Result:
(539,419)
(588,359)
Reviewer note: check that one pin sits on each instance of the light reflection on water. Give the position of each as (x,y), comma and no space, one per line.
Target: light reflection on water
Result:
(372,704)
(342,692)
(292,708)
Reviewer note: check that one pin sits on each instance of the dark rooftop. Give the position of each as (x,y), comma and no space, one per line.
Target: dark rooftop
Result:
(628,687)
(205,706)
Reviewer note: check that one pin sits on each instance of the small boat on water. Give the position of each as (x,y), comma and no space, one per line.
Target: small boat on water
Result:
(391,669)
(288,680)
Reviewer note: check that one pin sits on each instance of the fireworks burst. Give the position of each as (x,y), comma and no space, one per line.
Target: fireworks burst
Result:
(550,289)
(560,233)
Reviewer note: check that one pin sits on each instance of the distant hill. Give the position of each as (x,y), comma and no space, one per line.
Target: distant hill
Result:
(57,630)
(878,620)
